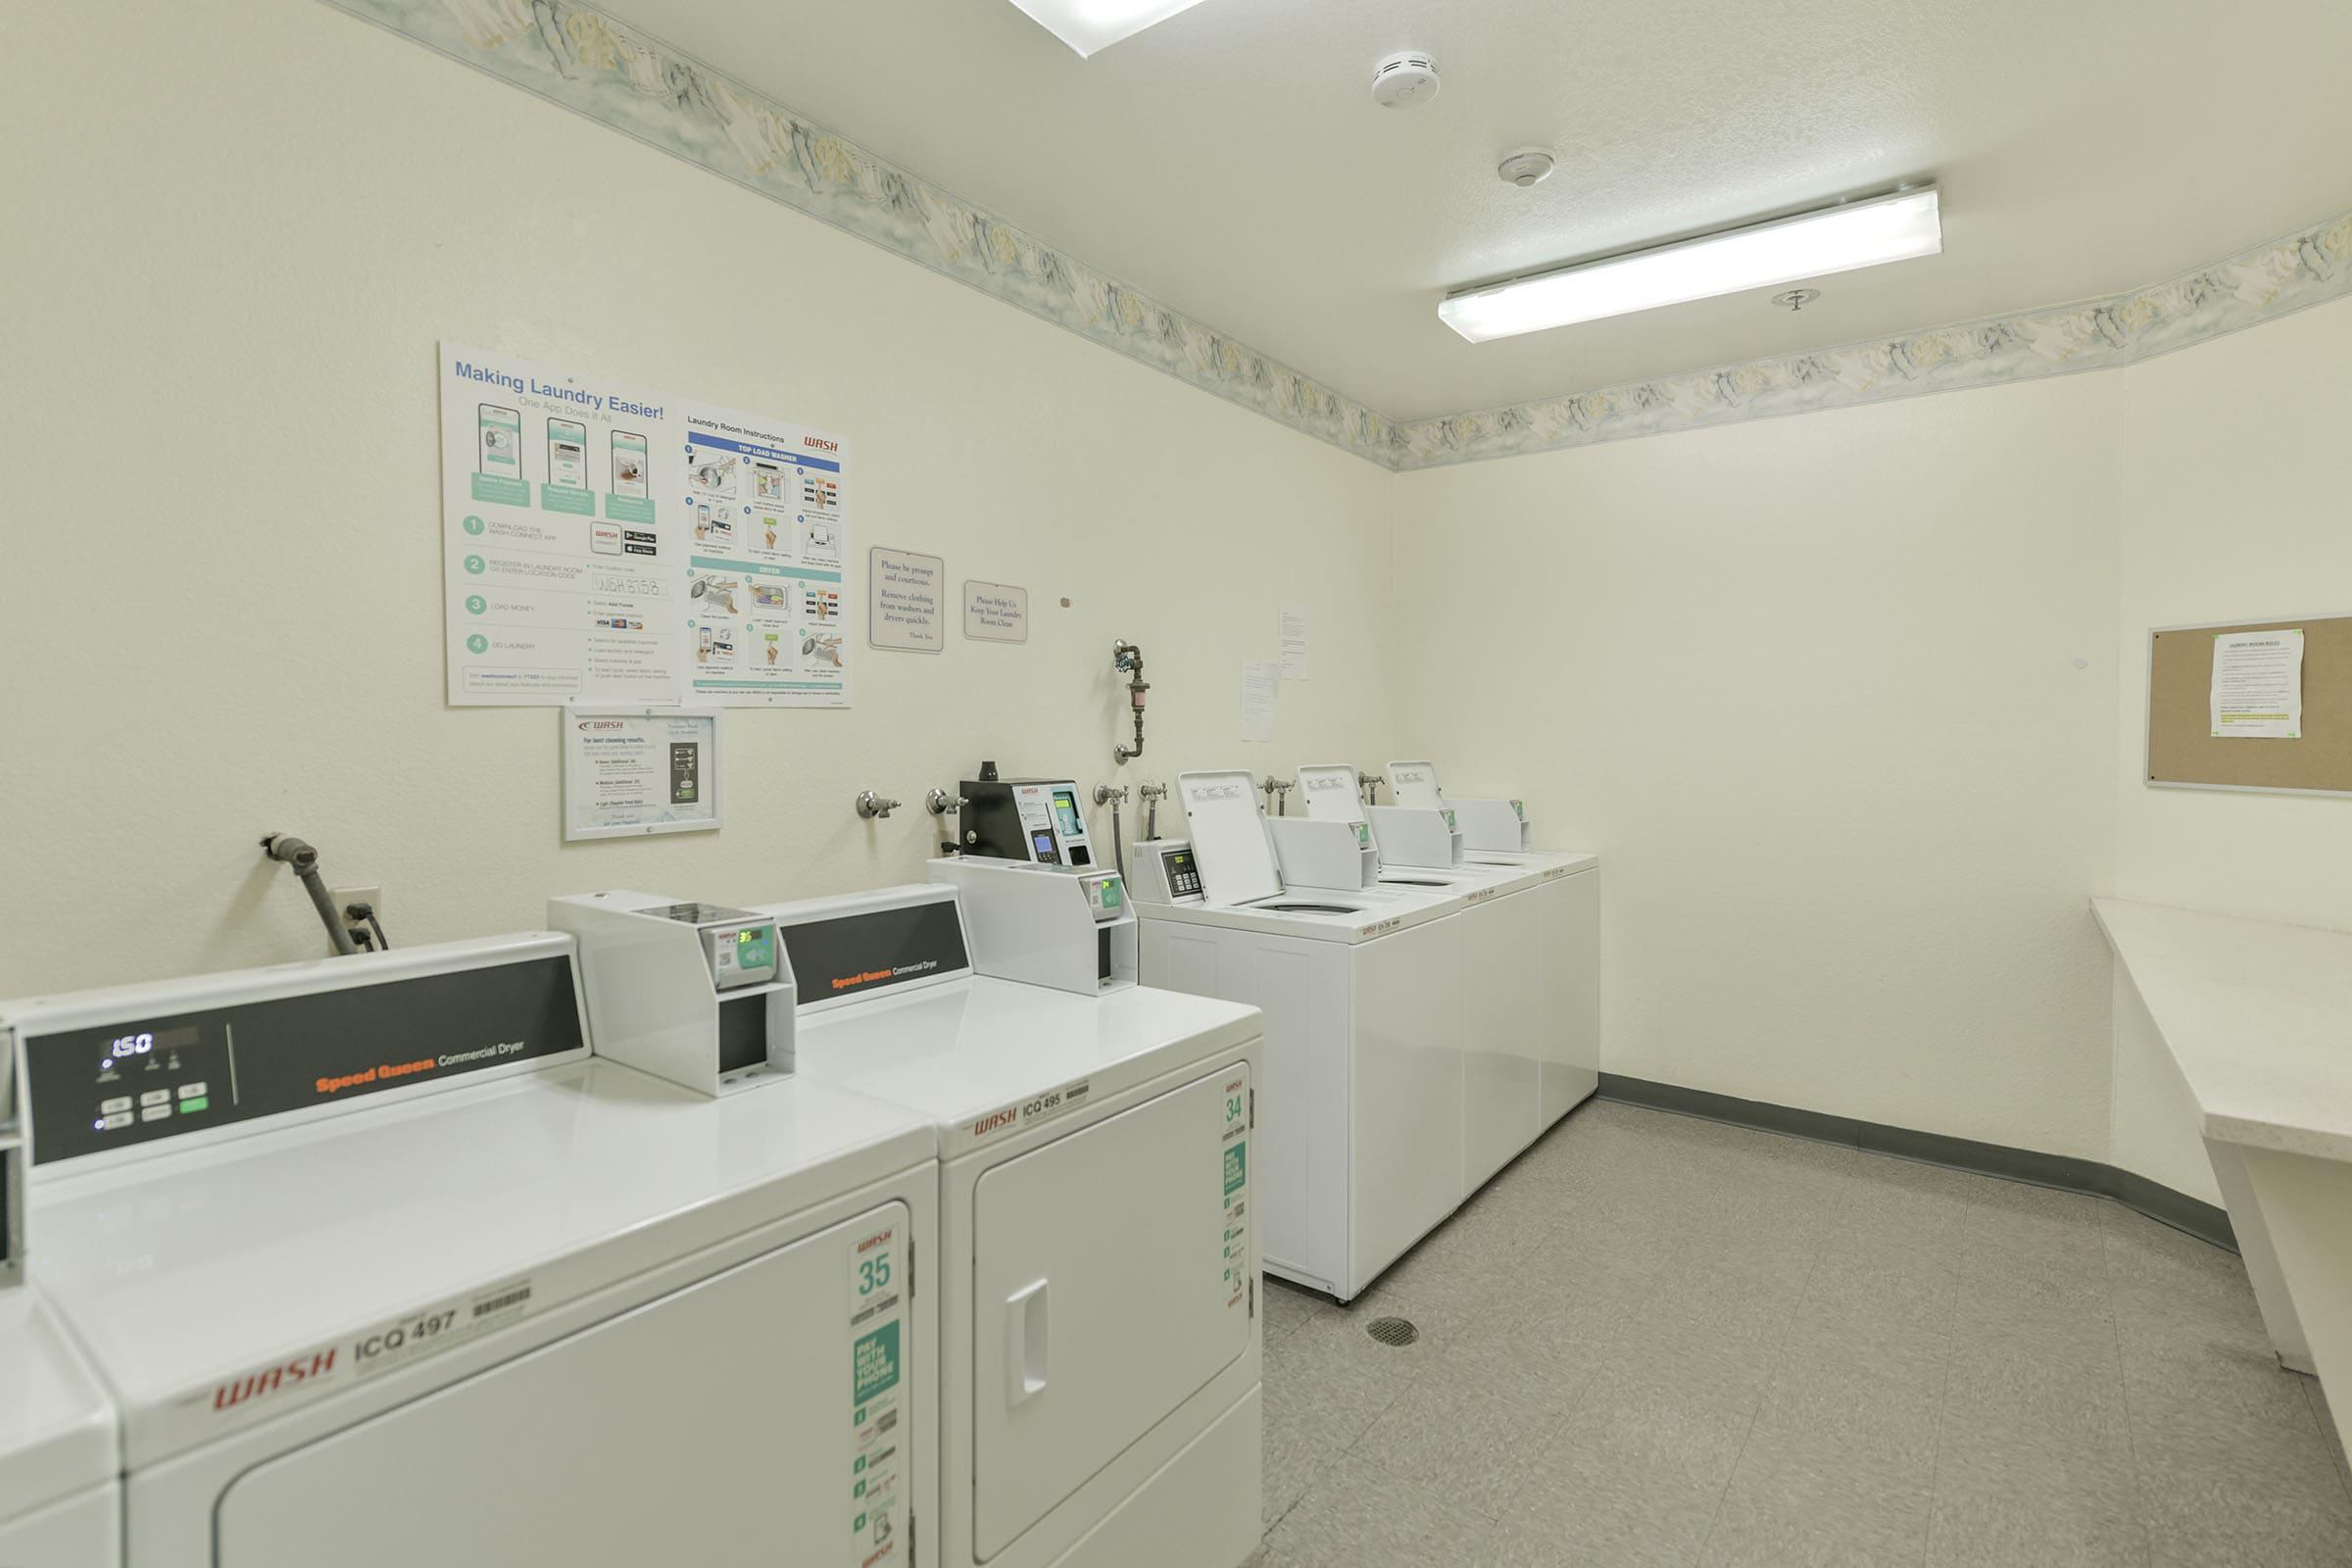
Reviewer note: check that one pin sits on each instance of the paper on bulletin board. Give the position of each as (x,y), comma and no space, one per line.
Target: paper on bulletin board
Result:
(1292,626)
(1261,683)
(904,590)
(631,771)
(608,542)
(2258,685)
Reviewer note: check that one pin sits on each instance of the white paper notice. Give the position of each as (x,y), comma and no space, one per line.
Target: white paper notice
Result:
(904,591)
(1293,642)
(1261,681)
(2258,685)
(631,771)
(608,542)
(995,613)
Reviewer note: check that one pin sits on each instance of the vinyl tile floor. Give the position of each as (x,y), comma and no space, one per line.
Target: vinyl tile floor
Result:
(1656,1340)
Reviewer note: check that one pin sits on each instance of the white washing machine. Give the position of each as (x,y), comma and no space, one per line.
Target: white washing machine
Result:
(1100,1340)
(382,1268)
(1360,1103)
(1505,992)
(61,1502)
(1497,832)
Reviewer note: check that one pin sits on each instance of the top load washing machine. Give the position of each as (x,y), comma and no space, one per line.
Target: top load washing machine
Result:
(1100,1340)
(61,1505)
(1497,832)
(382,1268)
(1360,1104)
(1504,990)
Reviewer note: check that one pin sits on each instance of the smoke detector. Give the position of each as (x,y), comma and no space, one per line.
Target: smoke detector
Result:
(1529,166)
(1407,78)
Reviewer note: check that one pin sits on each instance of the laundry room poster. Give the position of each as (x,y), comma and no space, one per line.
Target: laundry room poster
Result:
(608,542)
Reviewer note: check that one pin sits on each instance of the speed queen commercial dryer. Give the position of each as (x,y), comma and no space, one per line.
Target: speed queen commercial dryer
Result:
(1097,1242)
(383,1271)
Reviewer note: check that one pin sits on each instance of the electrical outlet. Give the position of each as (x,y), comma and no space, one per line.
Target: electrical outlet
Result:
(345,898)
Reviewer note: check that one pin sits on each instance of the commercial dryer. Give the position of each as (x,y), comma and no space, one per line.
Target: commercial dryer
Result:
(1497,832)
(1360,1104)
(381,1268)
(61,1502)
(1098,1275)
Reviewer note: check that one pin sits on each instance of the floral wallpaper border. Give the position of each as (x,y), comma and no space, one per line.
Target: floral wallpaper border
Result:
(2257,285)
(576,56)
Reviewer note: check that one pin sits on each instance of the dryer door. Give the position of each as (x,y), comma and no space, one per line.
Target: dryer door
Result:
(744,1418)
(1110,1289)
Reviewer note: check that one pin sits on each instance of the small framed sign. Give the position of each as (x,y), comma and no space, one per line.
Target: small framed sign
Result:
(631,771)
(905,590)
(995,613)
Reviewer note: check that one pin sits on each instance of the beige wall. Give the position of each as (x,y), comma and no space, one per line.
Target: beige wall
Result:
(266,218)
(2235,484)
(1809,687)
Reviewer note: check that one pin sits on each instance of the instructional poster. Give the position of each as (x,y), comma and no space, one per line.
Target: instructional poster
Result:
(766,620)
(607,542)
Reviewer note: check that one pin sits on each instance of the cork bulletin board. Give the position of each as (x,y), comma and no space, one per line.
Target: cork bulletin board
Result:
(2183,750)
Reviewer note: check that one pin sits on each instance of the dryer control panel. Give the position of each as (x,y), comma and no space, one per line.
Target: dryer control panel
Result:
(160,1067)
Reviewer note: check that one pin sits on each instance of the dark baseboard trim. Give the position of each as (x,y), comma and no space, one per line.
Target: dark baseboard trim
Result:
(2064,1172)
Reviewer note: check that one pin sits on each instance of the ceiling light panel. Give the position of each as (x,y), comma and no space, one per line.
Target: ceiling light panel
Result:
(1838,239)
(1087,25)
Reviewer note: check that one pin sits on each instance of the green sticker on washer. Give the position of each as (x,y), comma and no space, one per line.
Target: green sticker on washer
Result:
(1236,1168)
(875,1363)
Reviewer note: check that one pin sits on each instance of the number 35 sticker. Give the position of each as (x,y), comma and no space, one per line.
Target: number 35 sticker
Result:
(874,1274)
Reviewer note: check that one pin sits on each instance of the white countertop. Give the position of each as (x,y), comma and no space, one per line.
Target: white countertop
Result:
(2257,1016)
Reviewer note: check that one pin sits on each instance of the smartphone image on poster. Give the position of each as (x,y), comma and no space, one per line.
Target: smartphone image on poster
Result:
(568,454)
(501,431)
(628,465)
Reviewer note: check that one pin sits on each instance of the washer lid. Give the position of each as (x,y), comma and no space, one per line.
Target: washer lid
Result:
(1417,784)
(1332,792)
(1230,841)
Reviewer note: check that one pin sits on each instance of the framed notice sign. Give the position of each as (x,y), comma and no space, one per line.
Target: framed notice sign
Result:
(631,771)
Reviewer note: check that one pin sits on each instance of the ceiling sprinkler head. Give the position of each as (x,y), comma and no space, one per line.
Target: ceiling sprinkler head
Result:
(1529,166)
(1797,299)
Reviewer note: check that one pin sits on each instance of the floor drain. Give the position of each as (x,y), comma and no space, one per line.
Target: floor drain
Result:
(1393,1331)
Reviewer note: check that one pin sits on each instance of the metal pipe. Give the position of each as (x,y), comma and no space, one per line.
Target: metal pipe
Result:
(1115,798)
(305,862)
(1152,795)
(1128,657)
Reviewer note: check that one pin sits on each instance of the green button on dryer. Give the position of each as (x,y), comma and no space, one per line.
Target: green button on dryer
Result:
(189,1108)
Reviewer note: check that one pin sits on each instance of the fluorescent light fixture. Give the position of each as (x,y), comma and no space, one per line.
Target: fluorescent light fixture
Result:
(1087,25)
(1836,240)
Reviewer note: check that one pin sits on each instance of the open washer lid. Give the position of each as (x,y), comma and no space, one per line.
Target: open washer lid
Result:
(1332,792)
(1415,784)
(1230,841)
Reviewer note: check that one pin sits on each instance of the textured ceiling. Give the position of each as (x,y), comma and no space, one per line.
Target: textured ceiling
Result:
(1231,162)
